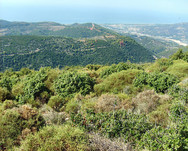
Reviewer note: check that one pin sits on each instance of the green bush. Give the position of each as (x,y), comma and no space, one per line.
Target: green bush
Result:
(10,124)
(160,138)
(70,83)
(93,67)
(117,68)
(160,65)
(114,124)
(33,86)
(116,82)
(56,138)
(161,82)
(3,94)
(179,93)
(56,102)
(179,68)
(13,121)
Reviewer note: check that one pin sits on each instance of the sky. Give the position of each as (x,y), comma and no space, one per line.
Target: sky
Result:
(96,11)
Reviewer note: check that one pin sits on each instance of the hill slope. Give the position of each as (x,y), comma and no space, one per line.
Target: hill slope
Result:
(36,51)
(87,30)
(162,39)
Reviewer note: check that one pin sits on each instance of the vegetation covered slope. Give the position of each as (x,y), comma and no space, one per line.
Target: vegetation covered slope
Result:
(124,106)
(163,39)
(38,51)
(53,29)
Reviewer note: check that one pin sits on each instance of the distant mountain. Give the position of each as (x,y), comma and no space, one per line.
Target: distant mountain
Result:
(87,30)
(162,39)
(35,51)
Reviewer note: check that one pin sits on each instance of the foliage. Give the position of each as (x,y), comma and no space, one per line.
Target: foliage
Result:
(179,68)
(161,82)
(56,138)
(119,67)
(159,138)
(3,94)
(70,83)
(180,55)
(160,65)
(179,92)
(116,82)
(93,67)
(14,121)
(9,129)
(35,52)
(56,102)
(114,124)
(33,86)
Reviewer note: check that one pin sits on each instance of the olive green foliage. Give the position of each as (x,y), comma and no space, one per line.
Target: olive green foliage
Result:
(160,138)
(33,86)
(161,82)
(14,121)
(180,55)
(160,65)
(179,92)
(179,68)
(56,138)
(56,102)
(10,123)
(114,124)
(93,67)
(116,82)
(119,67)
(3,93)
(70,83)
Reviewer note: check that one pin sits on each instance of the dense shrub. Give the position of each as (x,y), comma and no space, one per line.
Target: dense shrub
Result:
(56,102)
(179,68)
(93,67)
(114,124)
(33,86)
(3,94)
(179,92)
(180,55)
(56,138)
(117,68)
(146,101)
(116,82)
(70,83)
(161,82)
(160,65)
(10,128)
(160,138)
(107,103)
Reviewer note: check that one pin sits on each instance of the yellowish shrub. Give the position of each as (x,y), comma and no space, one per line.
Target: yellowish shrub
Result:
(107,103)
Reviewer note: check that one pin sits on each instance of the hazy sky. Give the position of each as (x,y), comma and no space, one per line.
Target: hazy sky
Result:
(98,11)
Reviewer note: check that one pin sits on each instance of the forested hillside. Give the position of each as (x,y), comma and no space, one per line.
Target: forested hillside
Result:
(39,51)
(123,106)
(53,29)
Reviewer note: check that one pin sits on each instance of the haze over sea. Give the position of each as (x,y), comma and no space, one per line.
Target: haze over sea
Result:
(97,11)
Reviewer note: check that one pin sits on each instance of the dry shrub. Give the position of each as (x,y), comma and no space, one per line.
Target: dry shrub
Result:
(99,143)
(107,103)
(52,117)
(27,112)
(25,133)
(146,101)
(161,115)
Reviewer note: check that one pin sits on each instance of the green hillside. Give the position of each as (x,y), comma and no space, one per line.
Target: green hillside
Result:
(39,51)
(53,29)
